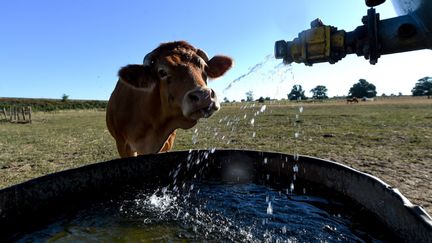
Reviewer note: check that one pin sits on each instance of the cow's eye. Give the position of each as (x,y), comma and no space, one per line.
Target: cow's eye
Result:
(162,73)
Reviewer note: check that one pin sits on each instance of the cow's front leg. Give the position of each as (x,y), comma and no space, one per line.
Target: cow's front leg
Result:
(169,143)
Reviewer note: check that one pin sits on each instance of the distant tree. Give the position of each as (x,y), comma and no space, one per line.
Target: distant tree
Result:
(249,96)
(362,89)
(423,87)
(297,93)
(242,100)
(267,98)
(400,94)
(383,95)
(261,99)
(319,92)
(65,97)
(226,100)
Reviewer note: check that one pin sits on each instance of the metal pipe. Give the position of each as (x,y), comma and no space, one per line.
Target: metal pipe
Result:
(324,43)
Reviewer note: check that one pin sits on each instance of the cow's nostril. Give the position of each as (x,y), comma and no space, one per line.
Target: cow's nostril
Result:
(193,97)
(212,94)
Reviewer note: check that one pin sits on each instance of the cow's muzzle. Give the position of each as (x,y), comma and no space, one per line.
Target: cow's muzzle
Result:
(200,103)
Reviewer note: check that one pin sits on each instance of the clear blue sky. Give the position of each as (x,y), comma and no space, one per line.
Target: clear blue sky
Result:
(76,47)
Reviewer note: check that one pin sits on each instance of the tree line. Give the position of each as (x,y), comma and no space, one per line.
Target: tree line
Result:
(362,88)
(53,104)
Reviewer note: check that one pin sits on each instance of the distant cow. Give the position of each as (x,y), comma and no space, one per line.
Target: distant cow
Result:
(352,100)
(168,91)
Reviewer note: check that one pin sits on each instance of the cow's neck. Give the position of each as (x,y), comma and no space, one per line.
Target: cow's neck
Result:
(160,122)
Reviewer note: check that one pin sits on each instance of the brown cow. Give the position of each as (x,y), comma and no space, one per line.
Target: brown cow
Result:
(168,91)
(353,100)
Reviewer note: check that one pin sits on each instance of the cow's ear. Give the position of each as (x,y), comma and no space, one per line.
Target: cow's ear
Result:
(218,65)
(135,75)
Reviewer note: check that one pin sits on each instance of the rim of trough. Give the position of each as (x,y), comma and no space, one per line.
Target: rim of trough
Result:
(406,202)
(416,210)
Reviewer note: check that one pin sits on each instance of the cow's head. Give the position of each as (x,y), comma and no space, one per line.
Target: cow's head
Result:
(179,72)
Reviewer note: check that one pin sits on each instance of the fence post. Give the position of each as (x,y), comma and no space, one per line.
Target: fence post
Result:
(30,114)
(4,113)
(23,113)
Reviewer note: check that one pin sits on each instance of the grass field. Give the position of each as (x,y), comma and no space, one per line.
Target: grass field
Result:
(391,139)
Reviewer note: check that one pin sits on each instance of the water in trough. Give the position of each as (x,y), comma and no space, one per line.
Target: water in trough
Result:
(216,212)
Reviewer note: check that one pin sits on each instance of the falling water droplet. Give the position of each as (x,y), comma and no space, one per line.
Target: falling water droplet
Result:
(296,134)
(267,198)
(263,108)
(269,208)
(295,168)
(301,109)
(252,121)
(244,117)
(284,230)
(268,177)
(291,187)
(265,160)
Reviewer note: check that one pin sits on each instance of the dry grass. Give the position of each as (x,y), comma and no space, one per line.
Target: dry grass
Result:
(390,138)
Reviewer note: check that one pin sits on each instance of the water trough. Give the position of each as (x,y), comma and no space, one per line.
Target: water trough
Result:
(27,206)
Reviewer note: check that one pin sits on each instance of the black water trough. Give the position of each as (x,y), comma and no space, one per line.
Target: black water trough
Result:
(26,206)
